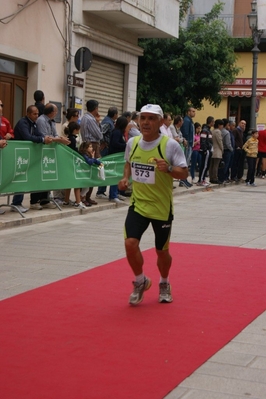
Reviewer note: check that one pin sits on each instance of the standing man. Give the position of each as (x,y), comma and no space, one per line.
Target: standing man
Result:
(90,127)
(153,161)
(6,132)
(239,154)
(26,129)
(188,132)
(108,125)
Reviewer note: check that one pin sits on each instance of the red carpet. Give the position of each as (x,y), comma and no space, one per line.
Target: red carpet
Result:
(79,339)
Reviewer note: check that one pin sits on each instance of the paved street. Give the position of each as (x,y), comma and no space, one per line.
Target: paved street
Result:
(36,254)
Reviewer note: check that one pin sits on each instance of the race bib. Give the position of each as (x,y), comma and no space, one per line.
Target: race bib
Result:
(143,173)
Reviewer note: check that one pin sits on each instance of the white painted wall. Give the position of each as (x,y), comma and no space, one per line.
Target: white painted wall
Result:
(32,36)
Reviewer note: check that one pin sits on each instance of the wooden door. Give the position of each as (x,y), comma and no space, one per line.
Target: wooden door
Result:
(13,92)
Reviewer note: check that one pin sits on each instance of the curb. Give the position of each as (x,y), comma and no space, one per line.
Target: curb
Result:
(13,219)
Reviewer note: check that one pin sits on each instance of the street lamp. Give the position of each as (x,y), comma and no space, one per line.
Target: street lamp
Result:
(256,35)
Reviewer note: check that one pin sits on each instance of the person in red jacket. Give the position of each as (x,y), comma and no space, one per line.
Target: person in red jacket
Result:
(262,152)
(6,132)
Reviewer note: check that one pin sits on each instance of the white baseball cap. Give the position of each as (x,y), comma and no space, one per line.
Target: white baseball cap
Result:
(152,109)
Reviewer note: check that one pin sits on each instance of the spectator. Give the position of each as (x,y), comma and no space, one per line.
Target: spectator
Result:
(262,152)
(6,132)
(232,126)
(134,125)
(3,144)
(26,129)
(188,132)
(71,132)
(205,150)
(86,149)
(117,144)
(251,149)
(165,128)
(239,154)
(108,125)
(196,155)
(72,115)
(152,199)
(217,152)
(90,127)
(39,101)
(47,126)
(227,152)
(176,131)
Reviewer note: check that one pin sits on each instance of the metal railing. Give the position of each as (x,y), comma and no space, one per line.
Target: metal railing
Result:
(236,24)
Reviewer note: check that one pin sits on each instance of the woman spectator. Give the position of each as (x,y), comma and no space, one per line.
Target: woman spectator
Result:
(196,155)
(117,144)
(71,132)
(72,115)
(6,132)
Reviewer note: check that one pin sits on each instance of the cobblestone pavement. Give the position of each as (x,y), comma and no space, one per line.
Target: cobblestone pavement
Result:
(49,245)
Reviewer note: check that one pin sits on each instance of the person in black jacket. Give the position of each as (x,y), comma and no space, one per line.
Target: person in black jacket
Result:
(39,101)
(117,144)
(205,150)
(26,129)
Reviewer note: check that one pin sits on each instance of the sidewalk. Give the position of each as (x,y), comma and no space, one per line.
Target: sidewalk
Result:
(14,219)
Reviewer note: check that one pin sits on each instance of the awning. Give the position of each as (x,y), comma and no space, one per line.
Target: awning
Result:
(242,87)
(242,92)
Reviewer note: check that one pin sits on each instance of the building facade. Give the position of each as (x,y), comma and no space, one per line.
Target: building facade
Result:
(39,41)
(236,97)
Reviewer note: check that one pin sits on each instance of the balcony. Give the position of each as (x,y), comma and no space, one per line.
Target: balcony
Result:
(236,24)
(142,18)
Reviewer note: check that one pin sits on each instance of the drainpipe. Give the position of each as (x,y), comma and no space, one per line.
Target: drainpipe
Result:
(68,60)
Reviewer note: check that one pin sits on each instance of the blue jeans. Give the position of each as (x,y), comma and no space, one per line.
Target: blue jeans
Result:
(188,153)
(195,160)
(17,199)
(113,192)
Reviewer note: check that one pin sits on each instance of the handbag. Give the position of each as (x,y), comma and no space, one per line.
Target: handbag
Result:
(101,173)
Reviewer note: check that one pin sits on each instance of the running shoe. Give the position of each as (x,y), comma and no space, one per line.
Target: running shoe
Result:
(138,291)
(165,293)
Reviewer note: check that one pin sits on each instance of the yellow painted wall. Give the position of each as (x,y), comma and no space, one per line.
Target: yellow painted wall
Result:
(245,62)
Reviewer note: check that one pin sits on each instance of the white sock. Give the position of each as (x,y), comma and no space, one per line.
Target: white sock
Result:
(164,280)
(140,278)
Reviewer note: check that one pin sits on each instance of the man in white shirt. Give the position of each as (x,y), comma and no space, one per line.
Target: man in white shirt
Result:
(165,128)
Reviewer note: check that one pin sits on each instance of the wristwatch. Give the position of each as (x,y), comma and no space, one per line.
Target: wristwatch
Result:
(170,169)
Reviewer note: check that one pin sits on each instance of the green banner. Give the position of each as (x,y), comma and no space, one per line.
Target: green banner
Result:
(29,167)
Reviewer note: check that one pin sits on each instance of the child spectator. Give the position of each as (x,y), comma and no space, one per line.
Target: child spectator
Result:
(88,153)
(251,149)
(71,132)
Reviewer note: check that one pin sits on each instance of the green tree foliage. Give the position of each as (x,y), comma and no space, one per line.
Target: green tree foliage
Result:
(188,70)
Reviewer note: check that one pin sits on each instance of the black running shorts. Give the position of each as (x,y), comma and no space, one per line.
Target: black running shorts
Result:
(136,225)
